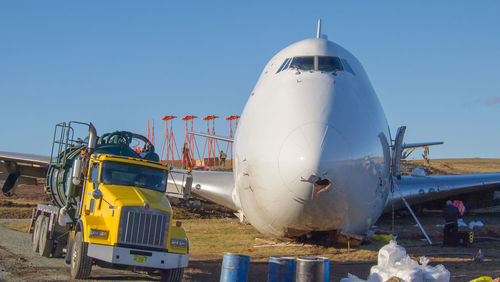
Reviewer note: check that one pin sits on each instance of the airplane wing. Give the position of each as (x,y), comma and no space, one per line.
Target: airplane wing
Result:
(218,187)
(27,167)
(215,186)
(25,158)
(421,189)
(417,190)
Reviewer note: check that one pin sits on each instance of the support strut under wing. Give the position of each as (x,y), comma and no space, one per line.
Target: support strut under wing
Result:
(179,184)
(227,139)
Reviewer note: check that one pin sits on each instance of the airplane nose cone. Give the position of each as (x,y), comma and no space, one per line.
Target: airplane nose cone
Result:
(308,151)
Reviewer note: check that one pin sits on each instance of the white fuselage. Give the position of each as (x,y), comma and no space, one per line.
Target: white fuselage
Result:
(300,125)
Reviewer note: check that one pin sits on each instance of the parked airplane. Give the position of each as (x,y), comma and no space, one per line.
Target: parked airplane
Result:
(312,151)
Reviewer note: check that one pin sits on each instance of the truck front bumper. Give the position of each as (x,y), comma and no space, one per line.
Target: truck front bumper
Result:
(136,257)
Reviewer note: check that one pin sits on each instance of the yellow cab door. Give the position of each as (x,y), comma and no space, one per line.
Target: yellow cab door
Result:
(89,203)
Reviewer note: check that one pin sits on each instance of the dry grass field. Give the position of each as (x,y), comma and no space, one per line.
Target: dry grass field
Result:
(211,238)
(457,166)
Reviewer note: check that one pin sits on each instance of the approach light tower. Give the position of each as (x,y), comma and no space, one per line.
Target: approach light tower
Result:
(230,144)
(169,141)
(211,144)
(189,144)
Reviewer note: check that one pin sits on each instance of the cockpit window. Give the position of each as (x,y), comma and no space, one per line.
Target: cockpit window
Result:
(317,63)
(347,66)
(303,63)
(329,64)
(283,66)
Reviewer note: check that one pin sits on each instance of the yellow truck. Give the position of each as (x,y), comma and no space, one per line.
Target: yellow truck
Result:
(109,206)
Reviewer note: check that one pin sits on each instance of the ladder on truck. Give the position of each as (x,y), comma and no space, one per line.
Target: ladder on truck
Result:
(64,142)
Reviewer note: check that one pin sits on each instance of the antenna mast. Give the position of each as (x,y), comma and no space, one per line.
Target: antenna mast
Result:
(318,33)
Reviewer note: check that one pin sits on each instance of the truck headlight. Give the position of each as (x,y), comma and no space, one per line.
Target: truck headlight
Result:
(98,233)
(182,243)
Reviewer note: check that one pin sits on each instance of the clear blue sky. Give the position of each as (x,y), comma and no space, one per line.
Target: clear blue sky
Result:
(435,65)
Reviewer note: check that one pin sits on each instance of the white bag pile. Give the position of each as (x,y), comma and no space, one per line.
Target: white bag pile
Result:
(394,262)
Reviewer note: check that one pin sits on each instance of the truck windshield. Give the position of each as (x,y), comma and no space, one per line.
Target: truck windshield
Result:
(126,174)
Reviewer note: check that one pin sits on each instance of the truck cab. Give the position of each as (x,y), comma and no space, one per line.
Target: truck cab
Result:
(126,217)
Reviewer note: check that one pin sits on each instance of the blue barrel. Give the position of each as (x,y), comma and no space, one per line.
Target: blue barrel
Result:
(326,262)
(281,269)
(312,269)
(235,268)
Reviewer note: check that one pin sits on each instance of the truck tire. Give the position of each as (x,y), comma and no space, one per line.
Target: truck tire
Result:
(172,275)
(45,244)
(35,237)
(81,264)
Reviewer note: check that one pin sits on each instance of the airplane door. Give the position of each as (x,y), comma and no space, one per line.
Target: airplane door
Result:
(397,149)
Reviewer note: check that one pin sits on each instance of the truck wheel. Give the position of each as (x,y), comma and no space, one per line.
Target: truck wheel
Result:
(81,264)
(172,275)
(35,237)
(45,245)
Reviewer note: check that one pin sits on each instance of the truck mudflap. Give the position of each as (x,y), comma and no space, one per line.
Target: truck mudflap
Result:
(144,258)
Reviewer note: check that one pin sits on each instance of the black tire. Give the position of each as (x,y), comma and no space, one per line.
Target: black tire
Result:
(45,245)
(35,237)
(172,275)
(81,264)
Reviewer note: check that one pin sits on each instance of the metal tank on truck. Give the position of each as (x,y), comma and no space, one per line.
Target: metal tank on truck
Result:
(109,205)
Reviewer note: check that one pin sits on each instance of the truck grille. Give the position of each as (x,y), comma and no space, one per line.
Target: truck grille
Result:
(143,228)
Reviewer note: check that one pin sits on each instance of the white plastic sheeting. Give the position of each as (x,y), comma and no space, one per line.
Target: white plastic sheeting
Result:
(418,172)
(394,262)
(462,223)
